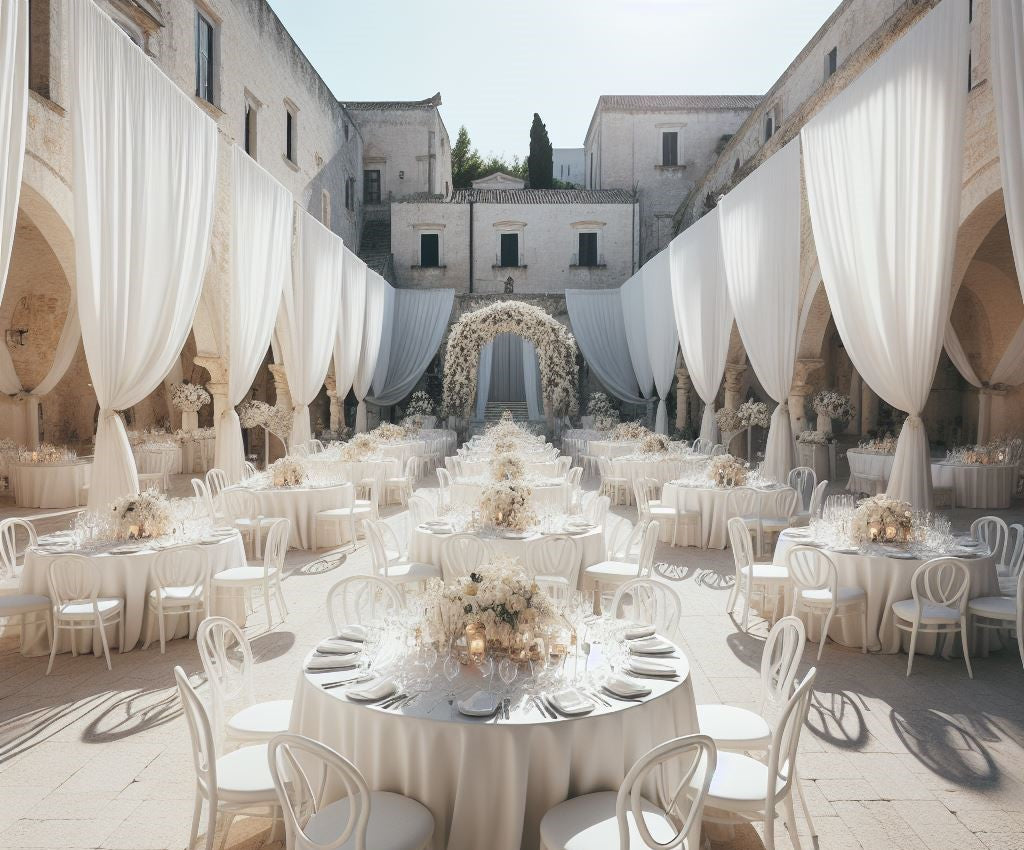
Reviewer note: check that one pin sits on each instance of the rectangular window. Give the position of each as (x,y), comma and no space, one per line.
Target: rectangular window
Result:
(831,62)
(371,186)
(769,127)
(325,208)
(249,130)
(670,148)
(588,249)
(509,250)
(204,58)
(430,250)
(348,194)
(289,135)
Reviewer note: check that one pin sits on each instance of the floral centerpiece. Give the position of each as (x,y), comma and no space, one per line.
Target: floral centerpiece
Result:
(831,405)
(287,472)
(600,407)
(881,519)
(815,438)
(141,517)
(754,414)
(411,424)
(605,423)
(502,447)
(506,504)
(728,420)
(727,471)
(508,467)
(654,444)
(998,451)
(189,397)
(421,404)
(259,414)
(388,432)
(364,443)
(879,445)
(48,453)
(506,429)
(629,432)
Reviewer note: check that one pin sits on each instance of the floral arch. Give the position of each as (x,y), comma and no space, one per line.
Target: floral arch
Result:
(556,353)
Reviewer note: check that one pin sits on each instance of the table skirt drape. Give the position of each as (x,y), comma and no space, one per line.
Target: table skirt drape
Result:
(869,471)
(714,517)
(981,486)
(56,485)
(301,505)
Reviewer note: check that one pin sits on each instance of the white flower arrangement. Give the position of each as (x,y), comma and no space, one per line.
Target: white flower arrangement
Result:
(287,472)
(259,414)
(600,406)
(421,404)
(189,397)
(47,453)
(629,432)
(880,519)
(411,424)
(388,432)
(506,431)
(141,517)
(654,444)
(364,443)
(815,438)
(879,445)
(727,471)
(7,445)
(834,405)
(999,451)
(508,466)
(605,423)
(183,436)
(729,420)
(506,505)
(754,414)
(556,354)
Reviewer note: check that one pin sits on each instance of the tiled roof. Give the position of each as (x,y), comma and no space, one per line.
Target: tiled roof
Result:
(526,196)
(427,103)
(680,102)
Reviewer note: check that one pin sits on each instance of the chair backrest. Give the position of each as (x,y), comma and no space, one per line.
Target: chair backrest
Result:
(420,510)
(648,543)
(803,480)
(204,498)
(1015,550)
(411,465)
(812,569)
(216,480)
(463,553)
(315,447)
(943,581)
(717,449)
(779,661)
(556,555)
(818,498)
(651,602)
(237,503)
(562,466)
(299,451)
(742,549)
(250,470)
(622,538)
(575,477)
(9,552)
(596,511)
(993,531)
(375,543)
(302,769)
(786,740)
(444,486)
(204,748)
(742,502)
(227,661)
(73,578)
(361,599)
(388,537)
(276,548)
(698,446)
(183,566)
(697,757)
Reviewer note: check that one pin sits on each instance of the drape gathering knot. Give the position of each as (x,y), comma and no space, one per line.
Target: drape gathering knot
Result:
(915,421)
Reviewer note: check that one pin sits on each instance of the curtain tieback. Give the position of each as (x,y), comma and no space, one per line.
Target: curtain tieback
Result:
(914,421)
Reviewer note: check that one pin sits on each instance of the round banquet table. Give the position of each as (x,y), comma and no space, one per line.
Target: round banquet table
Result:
(977,485)
(711,503)
(612,448)
(150,459)
(197,452)
(869,471)
(486,783)
(662,468)
(885,580)
(403,451)
(425,547)
(127,576)
(359,470)
(50,485)
(480,468)
(301,505)
(552,494)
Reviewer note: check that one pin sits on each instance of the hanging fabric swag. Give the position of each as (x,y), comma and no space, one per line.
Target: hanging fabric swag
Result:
(660,324)
(596,316)
(349,341)
(373,326)
(631,295)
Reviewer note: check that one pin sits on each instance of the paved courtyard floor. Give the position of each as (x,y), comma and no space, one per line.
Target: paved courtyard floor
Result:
(98,759)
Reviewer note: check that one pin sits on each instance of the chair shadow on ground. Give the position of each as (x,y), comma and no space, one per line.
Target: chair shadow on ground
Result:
(21,732)
(134,712)
(673,572)
(326,563)
(946,747)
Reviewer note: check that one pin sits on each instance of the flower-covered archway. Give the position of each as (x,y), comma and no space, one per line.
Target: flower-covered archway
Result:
(556,353)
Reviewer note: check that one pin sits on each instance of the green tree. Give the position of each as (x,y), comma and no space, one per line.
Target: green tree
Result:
(468,164)
(540,163)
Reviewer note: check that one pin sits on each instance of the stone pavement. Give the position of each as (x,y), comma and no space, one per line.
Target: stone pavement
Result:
(97,759)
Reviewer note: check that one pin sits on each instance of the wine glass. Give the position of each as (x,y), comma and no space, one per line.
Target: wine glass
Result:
(485,664)
(451,671)
(508,670)
(371,647)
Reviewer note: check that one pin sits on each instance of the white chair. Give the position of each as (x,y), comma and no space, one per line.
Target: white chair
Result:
(562,465)
(743,503)
(939,604)
(555,562)
(350,518)
(746,789)
(315,447)
(399,572)
(227,661)
(770,526)
(360,599)
(12,557)
(814,509)
(74,583)
(816,589)
(626,820)
(403,485)
(249,470)
(681,519)
(216,480)
(751,577)
(651,602)
(648,507)
(182,587)
(992,531)
(611,485)
(717,449)
(265,578)
(462,554)
(444,487)
(698,447)
(205,501)
(240,509)
(596,510)
(574,484)
(237,783)
(1014,561)
(803,480)
(1000,612)
(20,606)
(302,770)
(420,510)
(621,568)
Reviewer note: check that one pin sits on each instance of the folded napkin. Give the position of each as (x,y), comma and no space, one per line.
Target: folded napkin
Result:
(330,662)
(571,701)
(354,632)
(649,667)
(480,703)
(624,686)
(652,645)
(639,631)
(337,646)
(377,689)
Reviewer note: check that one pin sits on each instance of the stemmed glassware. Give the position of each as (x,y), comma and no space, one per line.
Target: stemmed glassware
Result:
(451,671)
(508,670)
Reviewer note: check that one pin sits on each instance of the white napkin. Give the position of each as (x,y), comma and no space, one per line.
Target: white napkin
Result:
(356,633)
(480,703)
(337,646)
(624,686)
(330,662)
(652,645)
(377,689)
(571,701)
(639,631)
(649,667)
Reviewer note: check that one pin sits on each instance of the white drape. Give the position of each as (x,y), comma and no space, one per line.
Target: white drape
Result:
(703,314)
(373,326)
(380,373)
(759,225)
(596,317)
(13,124)
(483,378)
(1008,91)
(144,175)
(310,306)
(531,380)
(662,337)
(958,357)
(883,171)
(634,317)
(1009,370)
(419,320)
(261,241)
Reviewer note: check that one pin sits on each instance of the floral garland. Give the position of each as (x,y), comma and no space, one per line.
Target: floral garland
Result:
(727,471)
(880,519)
(287,472)
(999,451)
(47,453)
(879,445)
(189,397)
(141,517)
(629,432)
(834,405)
(507,505)
(556,353)
(388,432)
(421,404)
(729,421)
(605,423)
(508,466)
(259,414)
(754,414)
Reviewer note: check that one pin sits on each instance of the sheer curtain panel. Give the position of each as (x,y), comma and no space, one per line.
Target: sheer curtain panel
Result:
(261,248)
(760,230)
(349,342)
(373,327)
(883,169)
(483,379)
(596,316)
(531,381)
(702,310)
(662,337)
(309,317)
(380,372)
(144,174)
(634,317)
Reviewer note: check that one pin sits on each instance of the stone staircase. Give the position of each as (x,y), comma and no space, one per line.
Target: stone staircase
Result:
(375,243)
(495,409)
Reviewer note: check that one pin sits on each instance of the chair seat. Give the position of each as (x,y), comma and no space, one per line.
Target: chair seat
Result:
(396,823)
(411,571)
(23,603)
(740,783)
(822,596)
(243,575)
(930,612)
(734,728)
(613,569)
(661,510)
(997,607)
(176,595)
(83,609)
(243,776)
(767,573)
(260,721)
(540,578)
(589,823)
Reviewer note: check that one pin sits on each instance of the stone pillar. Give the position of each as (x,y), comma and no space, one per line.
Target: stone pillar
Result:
(735,378)
(32,421)
(337,412)
(856,385)
(985,412)
(284,396)
(683,386)
(868,409)
(799,392)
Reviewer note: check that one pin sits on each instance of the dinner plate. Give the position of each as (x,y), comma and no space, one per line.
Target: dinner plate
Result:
(372,691)
(623,686)
(570,702)
(652,645)
(480,704)
(650,667)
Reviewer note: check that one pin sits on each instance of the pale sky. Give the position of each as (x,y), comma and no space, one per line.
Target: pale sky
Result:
(496,64)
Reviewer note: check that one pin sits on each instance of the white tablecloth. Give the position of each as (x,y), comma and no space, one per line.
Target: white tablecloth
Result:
(818,458)
(662,468)
(885,580)
(476,468)
(150,459)
(980,486)
(359,470)
(301,505)
(128,576)
(611,448)
(550,496)
(403,451)
(50,485)
(866,466)
(714,518)
(488,784)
